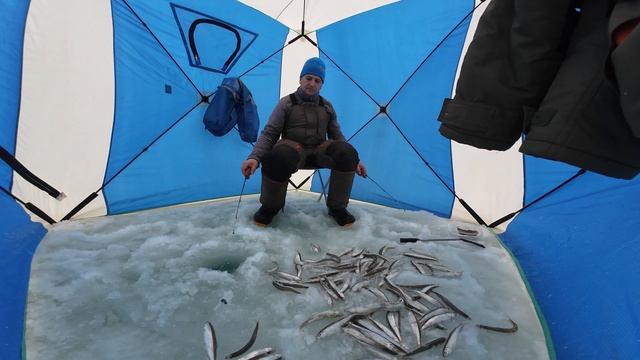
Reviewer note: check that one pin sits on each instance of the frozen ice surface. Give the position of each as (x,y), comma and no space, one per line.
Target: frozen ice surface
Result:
(142,285)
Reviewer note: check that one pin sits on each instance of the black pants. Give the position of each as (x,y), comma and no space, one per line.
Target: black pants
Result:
(288,156)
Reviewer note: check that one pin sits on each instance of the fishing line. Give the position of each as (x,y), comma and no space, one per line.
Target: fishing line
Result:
(385,191)
(233,232)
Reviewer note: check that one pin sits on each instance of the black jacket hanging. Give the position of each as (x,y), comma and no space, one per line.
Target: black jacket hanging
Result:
(546,69)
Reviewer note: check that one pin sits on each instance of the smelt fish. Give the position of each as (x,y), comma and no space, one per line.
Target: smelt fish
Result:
(451,340)
(418,266)
(257,354)
(430,299)
(357,252)
(375,271)
(346,285)
(432,313)
(413,323)
(272,357)
(393,319)
(321,315)
(512,329)
(369,345)
(358,336)
(419,256)
(331,289)
(384,249)
(382,355)
(280,286)
(450,305)
(379,338)
(427,346)
(334,257)
(317,278)
(333,327)
(346,252)
(292,284)
(247,346)
(438,319)
(210,341)
(390,334)
(377,292)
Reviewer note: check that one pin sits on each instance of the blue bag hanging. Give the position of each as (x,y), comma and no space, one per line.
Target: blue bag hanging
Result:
(232,104)
(221,116)
(248,121)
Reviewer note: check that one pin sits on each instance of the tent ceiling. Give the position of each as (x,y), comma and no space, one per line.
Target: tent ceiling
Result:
(317,13)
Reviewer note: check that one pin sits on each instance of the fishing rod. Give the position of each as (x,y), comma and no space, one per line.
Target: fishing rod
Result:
(413,240)
(238,207)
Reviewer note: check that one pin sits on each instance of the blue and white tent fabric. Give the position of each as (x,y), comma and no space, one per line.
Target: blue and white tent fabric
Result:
(104,101)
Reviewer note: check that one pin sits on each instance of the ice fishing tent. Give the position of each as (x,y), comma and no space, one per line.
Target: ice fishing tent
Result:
(104,102)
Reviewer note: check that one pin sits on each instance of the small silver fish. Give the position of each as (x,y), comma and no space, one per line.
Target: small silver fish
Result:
(427,346)
(210,341)
(293,284)
(451,340)
(333,289)
(450,305)
(393,319)
(280,286)
(334,326)
(322,315)
(413,323)
(334,257)
(272,357)
(346,252)
(357,252)
(438,319)
(418,266)
(432,313)
(430,299)
(257,354)
(512,329)
(377,292)
(384,249)
(390,333)
(421,256)
(247,346)
(378,338)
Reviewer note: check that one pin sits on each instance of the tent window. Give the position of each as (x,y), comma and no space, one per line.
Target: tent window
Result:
(211,44)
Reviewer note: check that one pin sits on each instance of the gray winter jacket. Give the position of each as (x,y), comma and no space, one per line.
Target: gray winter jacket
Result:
(309,123)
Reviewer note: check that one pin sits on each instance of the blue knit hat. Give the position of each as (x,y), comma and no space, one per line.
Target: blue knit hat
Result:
(314,66)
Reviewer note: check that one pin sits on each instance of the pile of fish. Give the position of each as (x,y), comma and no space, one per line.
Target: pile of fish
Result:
(434,320)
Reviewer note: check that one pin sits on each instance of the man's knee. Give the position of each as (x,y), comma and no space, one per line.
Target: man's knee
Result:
(279,163)
(344,156)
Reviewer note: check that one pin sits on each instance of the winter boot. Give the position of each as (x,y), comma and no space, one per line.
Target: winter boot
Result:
(272,196)
(340,184)
(264,215)
(342,216)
